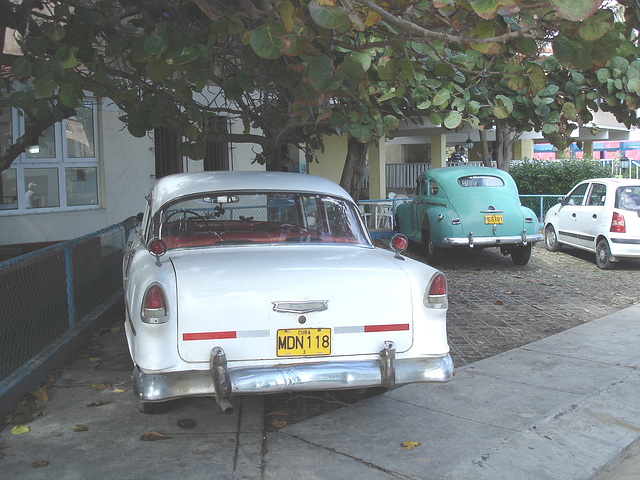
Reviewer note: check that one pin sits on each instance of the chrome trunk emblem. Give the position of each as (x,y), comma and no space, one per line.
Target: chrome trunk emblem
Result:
(305,306)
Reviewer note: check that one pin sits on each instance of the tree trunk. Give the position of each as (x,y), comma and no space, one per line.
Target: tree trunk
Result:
(485,148)
(353,170)
(503,151)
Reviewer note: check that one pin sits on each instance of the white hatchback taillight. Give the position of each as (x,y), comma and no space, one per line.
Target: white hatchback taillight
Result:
(436,294)
(154,305)
(617,223)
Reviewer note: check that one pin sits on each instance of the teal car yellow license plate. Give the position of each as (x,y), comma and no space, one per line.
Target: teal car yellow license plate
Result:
(492,219)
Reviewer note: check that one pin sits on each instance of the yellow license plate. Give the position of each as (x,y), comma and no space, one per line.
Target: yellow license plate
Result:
(489,219)
(302,342)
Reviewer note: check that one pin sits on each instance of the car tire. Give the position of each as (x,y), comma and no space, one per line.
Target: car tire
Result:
(154,408)
(433,253)
(521,255)
(551,239)
(603,255)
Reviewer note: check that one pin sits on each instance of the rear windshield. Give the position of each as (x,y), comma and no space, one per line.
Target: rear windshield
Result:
(480,181)
(237,218)
(628,198)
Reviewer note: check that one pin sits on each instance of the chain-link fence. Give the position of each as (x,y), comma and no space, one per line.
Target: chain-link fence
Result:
(540,204)
(51,291)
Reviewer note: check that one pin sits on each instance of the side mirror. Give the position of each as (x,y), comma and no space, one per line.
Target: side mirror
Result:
(561,200)
(131,222)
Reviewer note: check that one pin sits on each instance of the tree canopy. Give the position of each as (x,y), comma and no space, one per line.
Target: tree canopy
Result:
(296,70)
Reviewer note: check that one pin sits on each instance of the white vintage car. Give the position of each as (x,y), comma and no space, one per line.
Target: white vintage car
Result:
(263,282)
(600,215)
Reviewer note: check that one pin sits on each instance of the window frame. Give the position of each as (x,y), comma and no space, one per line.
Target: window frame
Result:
(61,162)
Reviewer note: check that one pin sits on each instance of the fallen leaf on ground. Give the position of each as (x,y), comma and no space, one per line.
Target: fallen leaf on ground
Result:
(510,293)
(95,359)
(41,395)
(20,429)
(279,423)
(498,302)
(153,436)
(119,390)
(537,307)
(568,314)
(101,386)
(115,329)
(410,445)
(80,428)
(41,463)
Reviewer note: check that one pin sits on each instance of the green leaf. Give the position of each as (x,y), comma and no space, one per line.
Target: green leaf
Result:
(603,75)
(46,85)
(453,119)
(158,41)
(158,70)
(569,111)
(328,16)
(320,72)
(70,95)
(267,41)
(575,10)
(363,59)
(22,67)
(441,98)
(287,13)
(503,106)
(182,56)
(596,26)
(69,60)
(634,85)
(435,118)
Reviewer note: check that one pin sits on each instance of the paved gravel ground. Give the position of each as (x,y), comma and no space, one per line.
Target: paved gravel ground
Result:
(495,306)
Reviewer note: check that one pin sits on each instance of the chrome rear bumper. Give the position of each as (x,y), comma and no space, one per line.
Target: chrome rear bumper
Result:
(385,371)
(472,241)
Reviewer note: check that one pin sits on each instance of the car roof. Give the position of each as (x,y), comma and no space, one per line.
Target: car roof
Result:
(447,174)
(621,182)
(185,184)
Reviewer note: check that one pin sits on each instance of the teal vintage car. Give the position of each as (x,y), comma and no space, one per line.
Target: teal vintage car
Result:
(475,207)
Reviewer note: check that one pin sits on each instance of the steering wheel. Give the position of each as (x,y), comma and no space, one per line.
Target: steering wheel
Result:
(185,224)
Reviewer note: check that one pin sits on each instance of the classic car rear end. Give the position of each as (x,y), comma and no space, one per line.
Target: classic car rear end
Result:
(474,207)
(241,283)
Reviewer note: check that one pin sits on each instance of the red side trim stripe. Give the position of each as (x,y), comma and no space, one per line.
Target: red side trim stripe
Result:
(207,335)
(386,328)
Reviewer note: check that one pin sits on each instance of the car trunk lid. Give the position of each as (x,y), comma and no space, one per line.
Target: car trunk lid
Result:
(239,298)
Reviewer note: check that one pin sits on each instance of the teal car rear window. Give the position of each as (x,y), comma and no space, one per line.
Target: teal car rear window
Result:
(480,181)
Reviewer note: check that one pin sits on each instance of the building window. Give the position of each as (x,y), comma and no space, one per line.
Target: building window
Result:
(217,158)
(58,172)
(168,159)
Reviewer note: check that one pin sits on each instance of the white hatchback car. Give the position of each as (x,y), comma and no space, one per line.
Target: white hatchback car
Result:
(262,282)
(601,215)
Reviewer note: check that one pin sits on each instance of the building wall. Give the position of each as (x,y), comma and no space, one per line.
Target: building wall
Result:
(126,174)
(332,160)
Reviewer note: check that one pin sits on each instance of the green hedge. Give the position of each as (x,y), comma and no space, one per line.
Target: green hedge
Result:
(555,177)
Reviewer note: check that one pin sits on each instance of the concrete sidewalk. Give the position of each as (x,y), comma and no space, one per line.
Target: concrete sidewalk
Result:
(565,407)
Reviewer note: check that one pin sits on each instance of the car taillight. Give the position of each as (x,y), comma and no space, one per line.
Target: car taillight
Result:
(154,305)
(399,243)
(158,247)
(617,223)
(436,295)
